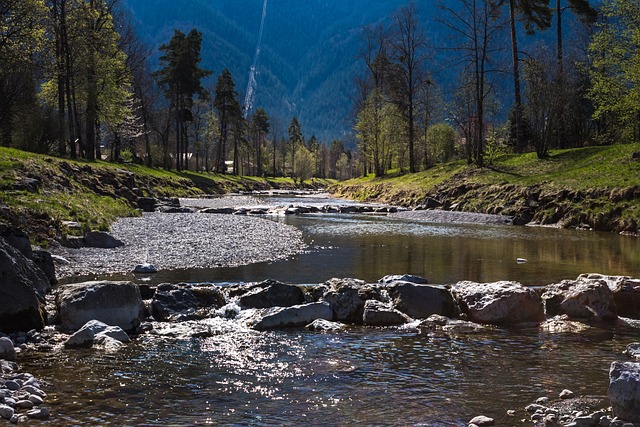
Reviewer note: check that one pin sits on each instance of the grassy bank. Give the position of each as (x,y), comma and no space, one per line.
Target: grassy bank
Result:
(38,193)
(593,187)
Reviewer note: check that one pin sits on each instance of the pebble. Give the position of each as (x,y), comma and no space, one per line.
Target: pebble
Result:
(566,394)
(6,412)
(37,400)
(21,392)
(12,385)
(482,421)
(38,413)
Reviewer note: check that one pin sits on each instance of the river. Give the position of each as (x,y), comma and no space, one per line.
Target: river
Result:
(361,376)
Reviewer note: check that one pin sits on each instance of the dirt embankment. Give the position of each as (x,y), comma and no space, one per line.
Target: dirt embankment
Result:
(614,210)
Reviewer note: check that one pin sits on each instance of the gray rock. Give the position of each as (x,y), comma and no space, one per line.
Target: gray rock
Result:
(185,301)
(347,297)
(499,303)
(92,332)
(145,269)
(421,301)
(482,421)
(44,261)
(377,313)
(6,411)
(37,400)
(17,238)
(272,294)
(12,385)
(566,394)
(437,323)
(580,299)
(633,350)
(298,315)
(101,239)
(624,390)
(147,204)
(626,293)
(388,280)
(7,351)
(224,210)
(22,290)
(322,325)
(34,390)
(38,413)
(24,404)
(114,303)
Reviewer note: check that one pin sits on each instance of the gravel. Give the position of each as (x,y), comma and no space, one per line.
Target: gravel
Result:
(179,241)
(453,217)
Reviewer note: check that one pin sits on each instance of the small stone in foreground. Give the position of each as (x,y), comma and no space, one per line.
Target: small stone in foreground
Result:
(566,394)
(6,412)
(38,413)
(482,421)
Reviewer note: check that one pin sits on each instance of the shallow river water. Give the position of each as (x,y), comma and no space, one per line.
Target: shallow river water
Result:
(361,376)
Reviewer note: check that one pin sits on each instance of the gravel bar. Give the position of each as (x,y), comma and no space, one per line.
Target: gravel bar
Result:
(185,240)
(451,217)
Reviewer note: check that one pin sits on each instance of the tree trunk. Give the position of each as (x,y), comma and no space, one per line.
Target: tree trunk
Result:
(520,143)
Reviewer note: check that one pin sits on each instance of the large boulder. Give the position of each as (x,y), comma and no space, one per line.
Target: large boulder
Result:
(580,299)
(297,315)
(624,390)
(377,313)
(114,303)
(498,303)
(44,261)
(185,301)
(22,290)
(626,293)
(347,297)
(421,301)
(271,293)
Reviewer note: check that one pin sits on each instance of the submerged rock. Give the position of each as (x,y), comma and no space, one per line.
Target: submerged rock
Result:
(624,390)
(322,325)
(114,303)
(499,303)
(437,323)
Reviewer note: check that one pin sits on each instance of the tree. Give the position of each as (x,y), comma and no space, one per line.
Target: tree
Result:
(476,24)
(409,54)
(534,14)
(303,164)
(260,129)
(228,107)
(21,38)
(295,140)
(441,139)
(615,75)
(182,77)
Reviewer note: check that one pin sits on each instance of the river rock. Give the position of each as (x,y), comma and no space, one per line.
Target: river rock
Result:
(499,303)
(624,390)
(421,301)
(17,238)
(377,313)
(22,290)
(101,239)
(580,299)
(297,315)
(114,303)
(92,332)
(482,421)
(633,351)
(7,351)
(437,323)
(271,293)
(390,279)
(145,269)
(44,261)
(6,411)
(626,293)
(347,297)
(147,204)
(322,325)
(185,301)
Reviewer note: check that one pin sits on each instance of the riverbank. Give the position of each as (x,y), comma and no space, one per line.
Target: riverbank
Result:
(592,188)
(44,195)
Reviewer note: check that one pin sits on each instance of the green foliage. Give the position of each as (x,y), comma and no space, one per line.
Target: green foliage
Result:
(495,145)
(615,70)
(441,140)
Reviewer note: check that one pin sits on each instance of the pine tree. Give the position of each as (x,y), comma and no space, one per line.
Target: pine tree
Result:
(229,112)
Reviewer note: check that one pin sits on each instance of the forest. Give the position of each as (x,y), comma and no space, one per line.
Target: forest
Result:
(78,80)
